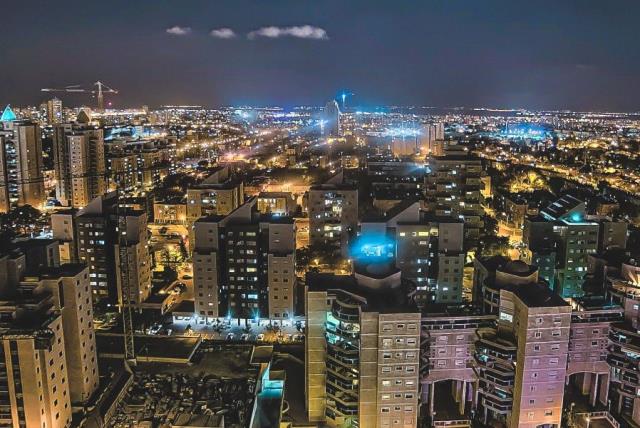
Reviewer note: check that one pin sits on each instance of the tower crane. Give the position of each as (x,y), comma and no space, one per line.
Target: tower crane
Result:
(99,92)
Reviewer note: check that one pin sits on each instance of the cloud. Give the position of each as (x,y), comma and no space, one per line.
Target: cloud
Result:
(300,32)
(176,30)
(222,33)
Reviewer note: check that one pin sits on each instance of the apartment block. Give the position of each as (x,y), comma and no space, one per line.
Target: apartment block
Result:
(333,216)
(244,265)
(453,189)
(362,356)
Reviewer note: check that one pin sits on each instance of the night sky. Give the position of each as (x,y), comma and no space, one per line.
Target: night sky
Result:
(543,54)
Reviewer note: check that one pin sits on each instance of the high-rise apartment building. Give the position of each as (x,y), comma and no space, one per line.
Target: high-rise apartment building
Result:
(429,135)
(623,287)
(34,370)
(453,188)
(218,194)
(428,251)
(561,238)
(79,162)
(90,236)
(5,201)
(22,162)
(244,265)
(138,259)
(54,111)
(522,362)
(331,119)
(71,293)
(122,172)
(333,216)
(362,354)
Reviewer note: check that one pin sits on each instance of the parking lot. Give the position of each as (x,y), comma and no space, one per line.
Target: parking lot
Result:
(243,331)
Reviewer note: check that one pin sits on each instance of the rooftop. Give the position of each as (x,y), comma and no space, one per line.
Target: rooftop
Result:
(382,301)
(538,296)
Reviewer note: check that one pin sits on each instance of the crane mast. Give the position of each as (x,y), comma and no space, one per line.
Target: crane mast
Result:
(125,284)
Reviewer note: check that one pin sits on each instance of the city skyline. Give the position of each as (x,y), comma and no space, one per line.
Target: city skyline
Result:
(494,54)
(327,214)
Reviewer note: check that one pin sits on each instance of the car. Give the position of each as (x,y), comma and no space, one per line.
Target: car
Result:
(230,336)
(244,337)
(260,337)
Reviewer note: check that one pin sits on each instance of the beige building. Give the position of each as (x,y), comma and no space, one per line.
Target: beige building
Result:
(215,199)
(63,230)
(138,259)
(362,357)
(79,163)
(429,135)
(276,203)
(522,363)
(281,280)
(453,189)
(34,369)
(28,146)
(333,216)
(69,286)
(244,265)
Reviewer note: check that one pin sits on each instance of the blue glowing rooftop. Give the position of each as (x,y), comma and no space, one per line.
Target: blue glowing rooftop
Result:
(372,248)
(531,131)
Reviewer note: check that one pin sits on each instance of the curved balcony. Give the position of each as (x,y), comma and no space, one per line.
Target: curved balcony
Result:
(342,354)
(346,311)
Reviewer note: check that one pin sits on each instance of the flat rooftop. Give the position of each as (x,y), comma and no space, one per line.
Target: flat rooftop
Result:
(384,301)
(153,348)
(538,296)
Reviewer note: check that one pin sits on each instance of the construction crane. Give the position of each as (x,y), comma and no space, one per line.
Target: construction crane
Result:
(125,282)
(99,92)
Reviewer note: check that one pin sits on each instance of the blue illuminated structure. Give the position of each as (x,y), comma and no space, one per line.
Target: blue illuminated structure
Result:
(529,131)
(402,132)
(576,217)
(8,115)
(373,248)
(269,401)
